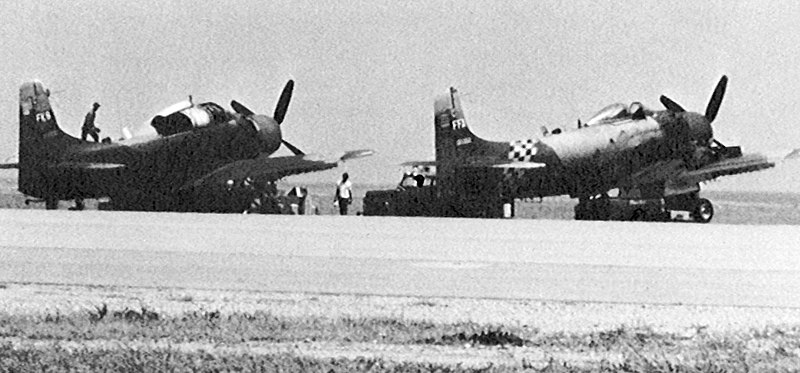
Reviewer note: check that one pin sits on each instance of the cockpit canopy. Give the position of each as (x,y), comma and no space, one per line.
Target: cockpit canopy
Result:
(178,118)
(617,112)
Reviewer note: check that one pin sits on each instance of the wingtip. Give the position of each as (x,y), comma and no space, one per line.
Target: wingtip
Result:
(793,155)
(353,154)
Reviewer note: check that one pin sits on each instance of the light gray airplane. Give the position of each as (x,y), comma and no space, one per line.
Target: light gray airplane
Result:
(646,155)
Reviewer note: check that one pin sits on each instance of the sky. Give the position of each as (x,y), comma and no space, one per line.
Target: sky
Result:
(367,72)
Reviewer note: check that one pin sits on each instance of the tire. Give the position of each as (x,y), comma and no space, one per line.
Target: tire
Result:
(51,203)
(639,215)
(703,211)
(580,212)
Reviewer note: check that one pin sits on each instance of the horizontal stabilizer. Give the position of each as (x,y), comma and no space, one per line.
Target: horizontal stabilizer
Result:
(90,165)
(419,163)
(522,165)
(484,162)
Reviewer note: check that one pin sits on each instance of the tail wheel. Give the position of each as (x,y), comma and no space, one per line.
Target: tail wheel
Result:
(703,211)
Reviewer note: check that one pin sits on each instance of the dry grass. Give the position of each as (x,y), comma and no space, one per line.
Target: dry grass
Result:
(146,339)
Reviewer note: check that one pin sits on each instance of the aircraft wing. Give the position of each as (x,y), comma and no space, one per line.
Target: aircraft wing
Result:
(676,173)
(739,165)
(273,168)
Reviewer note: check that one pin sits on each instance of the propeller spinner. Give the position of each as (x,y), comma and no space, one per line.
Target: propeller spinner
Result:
(269,129)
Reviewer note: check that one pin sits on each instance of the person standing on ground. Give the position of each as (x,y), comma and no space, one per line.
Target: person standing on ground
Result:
(344,194)
(298,200)
(88,124)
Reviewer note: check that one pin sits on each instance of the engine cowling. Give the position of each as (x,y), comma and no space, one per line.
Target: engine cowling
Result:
(183,118)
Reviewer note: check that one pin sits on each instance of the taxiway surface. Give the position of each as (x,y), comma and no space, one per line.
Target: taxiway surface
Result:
(661,263)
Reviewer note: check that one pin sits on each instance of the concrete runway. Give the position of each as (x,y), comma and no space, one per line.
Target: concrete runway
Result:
(660,263)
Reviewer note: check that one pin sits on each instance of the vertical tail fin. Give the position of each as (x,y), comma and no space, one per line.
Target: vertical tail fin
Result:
(455,143)
(452,131)
(41,141)
(465,184)
(450,125)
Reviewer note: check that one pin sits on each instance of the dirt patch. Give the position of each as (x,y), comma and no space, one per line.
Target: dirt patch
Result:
(484,338)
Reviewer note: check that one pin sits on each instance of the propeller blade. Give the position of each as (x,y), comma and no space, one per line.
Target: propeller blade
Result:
(293,148)
(671,105)
(716,99)
(241,109)
(283,102)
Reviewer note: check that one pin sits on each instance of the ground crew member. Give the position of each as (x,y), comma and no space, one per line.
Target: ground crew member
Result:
(88,124)
(298,200)
(344,194)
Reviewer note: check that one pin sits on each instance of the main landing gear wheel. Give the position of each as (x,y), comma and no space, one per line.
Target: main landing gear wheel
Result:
(51,204)
(703,211)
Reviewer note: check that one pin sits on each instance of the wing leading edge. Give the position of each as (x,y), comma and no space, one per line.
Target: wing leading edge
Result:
(675,171)
(267,168)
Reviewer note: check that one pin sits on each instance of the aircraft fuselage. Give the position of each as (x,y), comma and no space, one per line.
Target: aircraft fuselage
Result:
(588,160)
(597,157)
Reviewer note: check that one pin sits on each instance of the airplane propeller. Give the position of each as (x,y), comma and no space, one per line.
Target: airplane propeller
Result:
(695,125)
(713,104)
(283,102)
(716,99)
(241,109)
(671,105)
(261,121)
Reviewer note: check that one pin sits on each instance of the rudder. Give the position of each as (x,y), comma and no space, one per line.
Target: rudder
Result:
(41,141)
(452,131)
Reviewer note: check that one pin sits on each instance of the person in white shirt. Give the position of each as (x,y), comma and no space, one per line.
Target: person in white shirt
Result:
(297,197)
(344,193)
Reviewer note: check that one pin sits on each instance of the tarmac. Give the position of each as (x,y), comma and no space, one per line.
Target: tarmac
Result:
(616,262)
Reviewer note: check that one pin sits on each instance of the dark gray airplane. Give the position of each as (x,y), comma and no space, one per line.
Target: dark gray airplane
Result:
(647,155)
(198,158)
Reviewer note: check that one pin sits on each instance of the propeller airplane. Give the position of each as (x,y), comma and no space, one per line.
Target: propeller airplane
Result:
(192,157)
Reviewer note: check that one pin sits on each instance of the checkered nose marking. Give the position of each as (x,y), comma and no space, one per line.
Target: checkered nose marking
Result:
(522,151)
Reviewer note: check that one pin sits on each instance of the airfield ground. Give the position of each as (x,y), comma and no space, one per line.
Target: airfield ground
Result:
(90,325)
(82,327)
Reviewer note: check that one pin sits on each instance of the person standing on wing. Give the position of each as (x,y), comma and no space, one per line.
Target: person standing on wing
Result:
(88,124)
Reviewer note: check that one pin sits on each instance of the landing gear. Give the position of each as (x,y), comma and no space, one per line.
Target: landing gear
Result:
(51,204)
(79,205)
(687,206)
(594,208)
(703,211)
(699,210)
